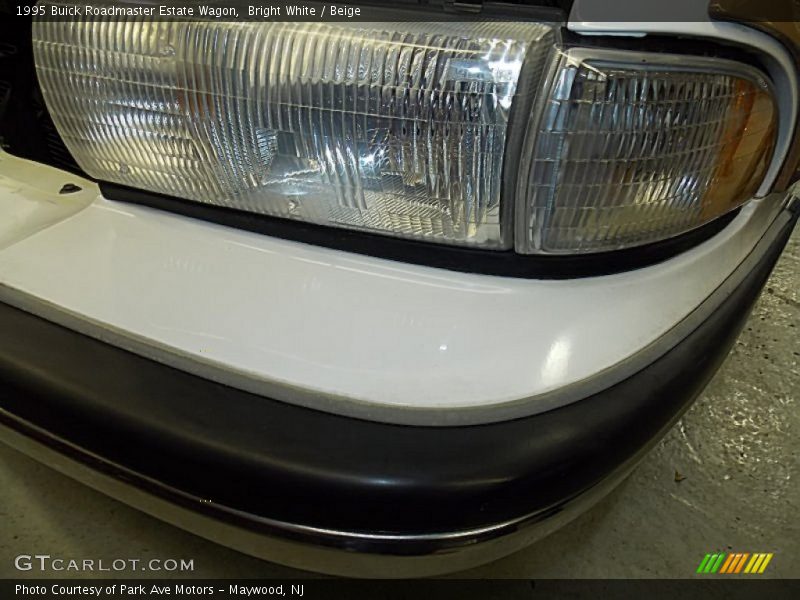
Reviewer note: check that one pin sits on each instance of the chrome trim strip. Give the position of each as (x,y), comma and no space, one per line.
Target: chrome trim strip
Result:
(333,552)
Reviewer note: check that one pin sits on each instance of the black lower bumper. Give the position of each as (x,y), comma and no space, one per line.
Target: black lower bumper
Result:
(334,481)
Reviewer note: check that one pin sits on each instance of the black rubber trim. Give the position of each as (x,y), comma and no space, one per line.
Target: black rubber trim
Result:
(302,466)
(467,260)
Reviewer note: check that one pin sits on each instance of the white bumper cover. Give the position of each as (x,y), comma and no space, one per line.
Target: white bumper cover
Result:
(341,332)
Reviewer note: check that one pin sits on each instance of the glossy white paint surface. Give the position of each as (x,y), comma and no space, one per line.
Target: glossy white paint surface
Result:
(28,204)
(339,331)
(779,63)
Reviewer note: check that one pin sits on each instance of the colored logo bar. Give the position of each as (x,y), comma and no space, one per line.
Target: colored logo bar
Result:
(735,562)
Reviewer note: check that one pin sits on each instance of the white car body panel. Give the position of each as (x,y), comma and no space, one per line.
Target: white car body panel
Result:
(338,331)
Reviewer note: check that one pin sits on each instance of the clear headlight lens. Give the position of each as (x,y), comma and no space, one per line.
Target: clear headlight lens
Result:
(396,128)
(449,132)
(623,154)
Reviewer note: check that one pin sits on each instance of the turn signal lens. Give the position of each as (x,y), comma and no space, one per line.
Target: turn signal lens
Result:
(624,154)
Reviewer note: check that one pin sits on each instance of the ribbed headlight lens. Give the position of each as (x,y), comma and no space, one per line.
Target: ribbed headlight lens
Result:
(623,154)
(396,128)
(461,133)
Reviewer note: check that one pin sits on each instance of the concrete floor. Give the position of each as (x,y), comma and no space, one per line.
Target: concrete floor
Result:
(735,453)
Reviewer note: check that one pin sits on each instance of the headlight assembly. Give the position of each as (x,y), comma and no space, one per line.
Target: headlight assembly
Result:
(395,128)
(472,134)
